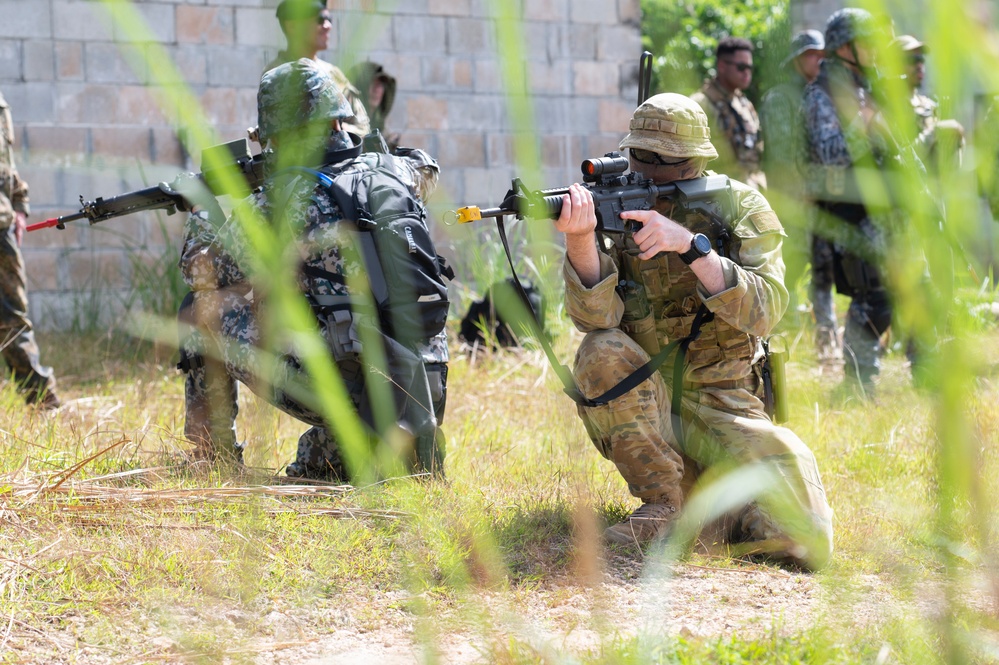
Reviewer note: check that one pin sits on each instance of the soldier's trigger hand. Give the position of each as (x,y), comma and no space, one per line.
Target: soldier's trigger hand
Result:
(658,233)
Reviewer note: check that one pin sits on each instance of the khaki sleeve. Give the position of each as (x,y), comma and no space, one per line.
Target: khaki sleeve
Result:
(755,298)
(596,308)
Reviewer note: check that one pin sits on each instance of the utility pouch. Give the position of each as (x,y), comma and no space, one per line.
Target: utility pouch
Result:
(775,378)
(637,321)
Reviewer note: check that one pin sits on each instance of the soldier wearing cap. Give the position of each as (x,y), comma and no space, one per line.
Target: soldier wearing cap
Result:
(927,130)
(17,339)
(306,25)
(300,112)
(734,123)
(780,119)
(847,141)
(673,270)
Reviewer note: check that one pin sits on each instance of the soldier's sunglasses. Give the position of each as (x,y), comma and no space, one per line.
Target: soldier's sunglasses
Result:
(917,59)
(323,18)
(649,157)
(741,66)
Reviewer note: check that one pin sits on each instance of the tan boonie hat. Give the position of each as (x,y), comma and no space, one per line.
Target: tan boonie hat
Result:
(908,43)
(671,125)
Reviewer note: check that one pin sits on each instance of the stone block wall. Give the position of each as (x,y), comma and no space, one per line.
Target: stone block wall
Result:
(812,14)
(89,120)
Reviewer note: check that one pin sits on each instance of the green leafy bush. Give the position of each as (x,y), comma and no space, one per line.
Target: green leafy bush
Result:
(683,35)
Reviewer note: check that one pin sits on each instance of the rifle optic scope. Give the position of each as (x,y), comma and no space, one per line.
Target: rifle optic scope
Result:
(611,163)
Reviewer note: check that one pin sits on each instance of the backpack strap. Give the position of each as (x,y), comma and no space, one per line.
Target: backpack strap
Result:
(346,201)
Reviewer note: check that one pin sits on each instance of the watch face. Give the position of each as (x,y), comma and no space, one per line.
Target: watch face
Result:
(701,243)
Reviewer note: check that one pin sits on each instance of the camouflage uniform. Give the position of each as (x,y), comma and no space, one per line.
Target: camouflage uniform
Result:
(780,119)
(722,413)
(17,339)
(359,123)
(838,141)
(229,317)
(732,116)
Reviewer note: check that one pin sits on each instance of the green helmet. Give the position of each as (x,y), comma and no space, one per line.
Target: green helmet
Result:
(671,125)
(847,25)
(295,95)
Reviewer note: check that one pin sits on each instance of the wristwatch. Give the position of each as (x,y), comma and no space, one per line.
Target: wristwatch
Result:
(700,246)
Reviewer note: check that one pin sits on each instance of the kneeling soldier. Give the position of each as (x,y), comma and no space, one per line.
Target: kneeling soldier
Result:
(681,276)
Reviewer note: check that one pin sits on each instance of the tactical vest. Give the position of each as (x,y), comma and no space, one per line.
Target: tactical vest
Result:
(739,125)
(670,287)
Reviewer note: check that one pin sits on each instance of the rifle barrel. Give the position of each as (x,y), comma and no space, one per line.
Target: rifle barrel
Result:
(55,221)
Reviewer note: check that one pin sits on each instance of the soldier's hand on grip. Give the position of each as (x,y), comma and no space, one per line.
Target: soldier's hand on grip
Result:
(658,233)
(186,188)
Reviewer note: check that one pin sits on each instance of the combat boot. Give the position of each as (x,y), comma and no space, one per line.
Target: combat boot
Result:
(829,351)
(649,522)
(45,400)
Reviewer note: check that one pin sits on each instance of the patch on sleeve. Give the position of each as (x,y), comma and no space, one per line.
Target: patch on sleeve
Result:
(766,222)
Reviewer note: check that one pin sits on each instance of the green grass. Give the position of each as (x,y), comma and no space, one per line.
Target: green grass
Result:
(502,562)
(506,547)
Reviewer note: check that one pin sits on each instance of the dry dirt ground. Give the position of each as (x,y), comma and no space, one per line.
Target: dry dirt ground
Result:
(562,616)
(558,616)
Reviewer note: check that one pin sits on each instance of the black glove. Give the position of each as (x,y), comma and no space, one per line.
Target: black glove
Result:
(191,194)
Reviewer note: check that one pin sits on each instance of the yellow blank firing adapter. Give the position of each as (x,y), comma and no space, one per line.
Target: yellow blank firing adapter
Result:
(467,214)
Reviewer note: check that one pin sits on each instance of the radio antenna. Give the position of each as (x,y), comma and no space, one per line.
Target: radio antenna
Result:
(644,77)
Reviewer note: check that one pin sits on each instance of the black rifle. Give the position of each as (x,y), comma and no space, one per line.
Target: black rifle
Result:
(233,157)
(614,192)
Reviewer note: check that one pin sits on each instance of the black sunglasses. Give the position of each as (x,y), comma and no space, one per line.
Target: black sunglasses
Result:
(323,17)
(917,59)
(741,66)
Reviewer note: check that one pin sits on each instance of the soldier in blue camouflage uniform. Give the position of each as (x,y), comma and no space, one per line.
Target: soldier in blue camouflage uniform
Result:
(845,136)
(734,122)
(294,99)
(17,339)
(678,272)
(780,119)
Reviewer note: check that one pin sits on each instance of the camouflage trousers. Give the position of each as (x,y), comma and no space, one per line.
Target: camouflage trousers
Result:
(223,348)
(867,319)
(721,427)
(17,338)
(822,286)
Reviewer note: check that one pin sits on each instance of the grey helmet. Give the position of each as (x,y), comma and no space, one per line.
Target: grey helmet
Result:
(806,40)
(847,25)
(296,96)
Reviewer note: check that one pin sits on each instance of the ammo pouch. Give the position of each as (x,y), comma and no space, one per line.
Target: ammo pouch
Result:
(773,376)
(335,315)
(637,321)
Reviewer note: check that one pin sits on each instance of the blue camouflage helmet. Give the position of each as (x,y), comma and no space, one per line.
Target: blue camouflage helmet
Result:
(295,95)
(848,25)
